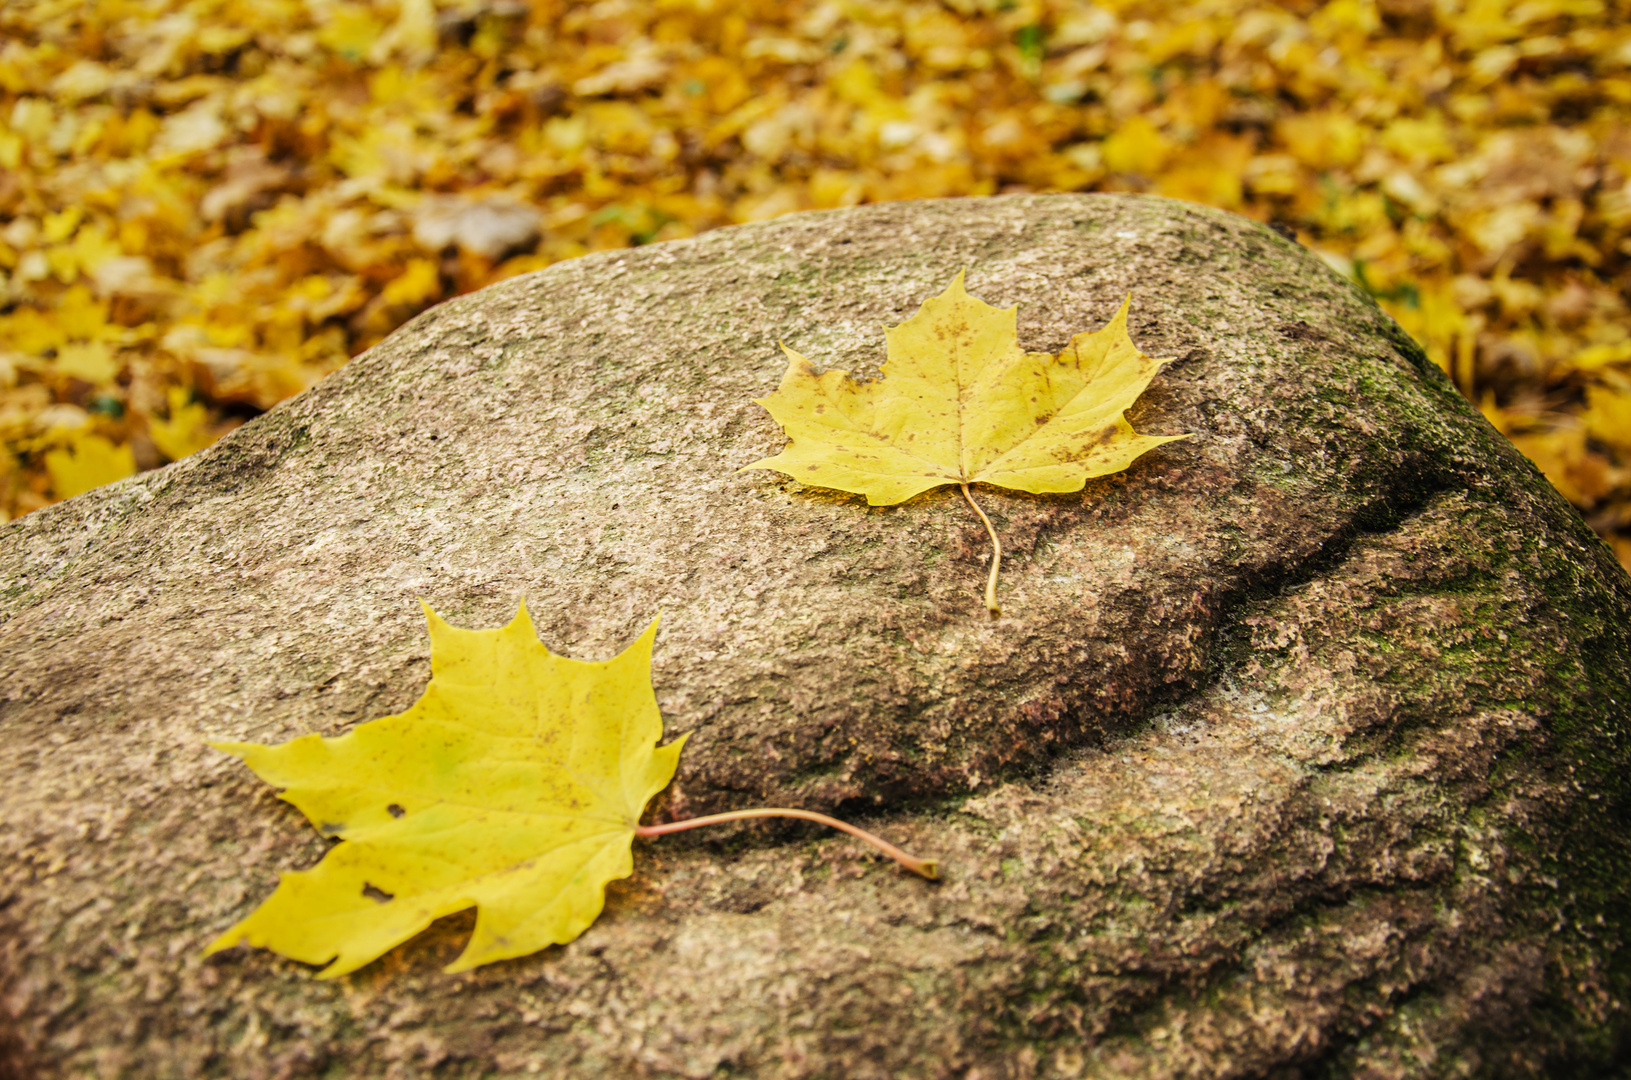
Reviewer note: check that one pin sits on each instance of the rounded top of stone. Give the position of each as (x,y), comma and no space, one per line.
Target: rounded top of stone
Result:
(574,436)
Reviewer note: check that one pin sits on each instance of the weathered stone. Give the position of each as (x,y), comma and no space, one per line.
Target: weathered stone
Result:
(1300,750)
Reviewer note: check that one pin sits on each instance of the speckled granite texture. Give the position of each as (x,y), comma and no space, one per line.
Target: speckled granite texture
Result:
(1299,751)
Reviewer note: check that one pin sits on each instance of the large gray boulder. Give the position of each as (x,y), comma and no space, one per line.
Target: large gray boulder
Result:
(1299,751)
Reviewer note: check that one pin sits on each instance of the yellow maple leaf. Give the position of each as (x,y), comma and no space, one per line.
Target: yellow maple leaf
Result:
(90,462)
(960,403)
(92,361)
(81,315)
(186,431)
(515,785)
(1608,416)
(419,281)
(1137,146)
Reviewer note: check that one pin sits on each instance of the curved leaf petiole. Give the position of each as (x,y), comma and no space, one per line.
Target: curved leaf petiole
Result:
(996,556)
(929,868)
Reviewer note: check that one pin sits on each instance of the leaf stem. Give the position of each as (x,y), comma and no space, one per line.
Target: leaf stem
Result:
(996,556)
(929,868)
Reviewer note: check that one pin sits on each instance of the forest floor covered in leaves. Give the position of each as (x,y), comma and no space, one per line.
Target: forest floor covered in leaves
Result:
(207,205)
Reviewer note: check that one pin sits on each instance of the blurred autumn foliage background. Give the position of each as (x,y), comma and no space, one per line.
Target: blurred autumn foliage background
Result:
(207,205)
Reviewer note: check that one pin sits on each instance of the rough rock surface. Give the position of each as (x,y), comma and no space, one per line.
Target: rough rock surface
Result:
(1300,750)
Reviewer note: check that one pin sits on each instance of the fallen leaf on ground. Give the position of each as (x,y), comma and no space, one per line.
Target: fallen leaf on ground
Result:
(514,785)
(959,402)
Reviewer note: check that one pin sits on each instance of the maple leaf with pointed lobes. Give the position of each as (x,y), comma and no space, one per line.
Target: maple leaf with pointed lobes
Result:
(514,785)
(960,403)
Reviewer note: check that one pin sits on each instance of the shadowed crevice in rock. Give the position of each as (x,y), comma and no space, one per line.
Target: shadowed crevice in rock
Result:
(1300,751)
